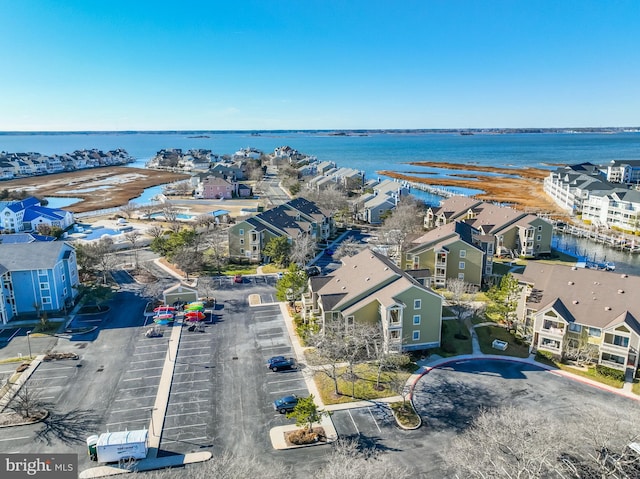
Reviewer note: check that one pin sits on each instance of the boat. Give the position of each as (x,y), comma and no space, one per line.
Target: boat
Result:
(194,315)
(162,321)
(194,308)
(163,316)
(164,309)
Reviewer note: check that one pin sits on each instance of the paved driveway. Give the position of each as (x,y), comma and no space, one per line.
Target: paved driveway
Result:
(448,399)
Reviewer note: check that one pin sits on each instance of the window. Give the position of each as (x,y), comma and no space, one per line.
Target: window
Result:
(461,265)
(575,328)
(463,253)
(416,335)
(241,240)
(616,340)
(64,292)
(64,277)
(395,334)
(538,238)
(46,300)
(241,250)
(42,271)
(595,332)
(416,319)
(550,343)
(44,285)
(461,276)
(539,227)
(350,321)
(417,303)
(394,316)
(613,358)
(241,232)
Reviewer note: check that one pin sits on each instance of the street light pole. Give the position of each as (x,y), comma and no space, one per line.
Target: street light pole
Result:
(29,342)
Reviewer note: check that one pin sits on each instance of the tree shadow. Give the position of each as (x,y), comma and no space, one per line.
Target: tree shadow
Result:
(69,427)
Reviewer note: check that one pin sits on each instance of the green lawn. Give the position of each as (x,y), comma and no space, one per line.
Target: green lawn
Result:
(591,373)
(364,385)
(449,344)
(636,387)
(486,335)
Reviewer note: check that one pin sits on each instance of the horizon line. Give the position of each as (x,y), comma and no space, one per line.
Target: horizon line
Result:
(329,130)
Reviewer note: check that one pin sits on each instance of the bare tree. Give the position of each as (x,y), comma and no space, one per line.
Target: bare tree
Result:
(302,249)
(128,209)
(147,210)
(349,247)
(579,350)
(170,213)
(188,260)
(332,199)
(407,218)
(218,252)
(28,402)
(133,237)
(458,300)
(509,442)
(155,231)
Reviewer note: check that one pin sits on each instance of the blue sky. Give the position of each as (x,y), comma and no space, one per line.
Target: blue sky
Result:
(306,64)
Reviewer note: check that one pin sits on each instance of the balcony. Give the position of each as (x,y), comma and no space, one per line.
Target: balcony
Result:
(557,332)
(613,364)
(614,349)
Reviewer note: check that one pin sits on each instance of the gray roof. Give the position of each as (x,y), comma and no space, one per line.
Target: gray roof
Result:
(31,256)
(594,298)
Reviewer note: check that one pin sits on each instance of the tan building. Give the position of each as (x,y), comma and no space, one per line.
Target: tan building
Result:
(369,288)
(566,305)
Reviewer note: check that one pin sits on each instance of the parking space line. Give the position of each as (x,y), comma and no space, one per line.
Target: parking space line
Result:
(146,361)
(191,372)
(284,391)
(15,438)
(186,425)
(48,397)
(139,387)
(8,371)
(189,382)
(191,392)
(55,368)
(143,369)
(133,399)
(54,377)
(164,441)
(266,335)
(187,402)
(285,380)
(190,414)
(138,379)
(277,347)
(354,422)
(152,352)
(116,411)
(126,422)
(374,419)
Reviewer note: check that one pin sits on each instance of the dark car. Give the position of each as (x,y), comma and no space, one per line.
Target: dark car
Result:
(312,270)
(329,252)
(237,278)
(279,363)
(285,404)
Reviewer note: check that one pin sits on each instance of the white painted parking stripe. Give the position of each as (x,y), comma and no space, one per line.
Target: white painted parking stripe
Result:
(374,419)
(191,392)
(48,397)
(277,346)
(15,438)
(191,349)
(152,352)
(284,391)
(133,399)
(354,423)
(266,335)
(187,402)
(195,341)
(140,378)
(144,369)
(146,361)
(8,371)
(116,411)
(191,372)
(55,368)
(189,382)
(126,422)
(286,380)
(190,414)
(53,377)
(186,425)
(140,387)
(165,441)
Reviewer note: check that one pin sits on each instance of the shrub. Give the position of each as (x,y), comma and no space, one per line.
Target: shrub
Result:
(610,372)
(544,356)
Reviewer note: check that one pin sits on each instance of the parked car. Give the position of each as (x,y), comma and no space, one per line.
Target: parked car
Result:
(237,278)
(313,270)
(329,252)
(285,404)
(279,363)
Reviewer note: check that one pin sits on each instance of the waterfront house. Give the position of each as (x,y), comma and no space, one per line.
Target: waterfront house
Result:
(515,233)
(369,288)
(293,219)
(37,277)
(449,252)
(571,185)
(624,171)
(568,307)
(211,187)
(619,209)
(28,214)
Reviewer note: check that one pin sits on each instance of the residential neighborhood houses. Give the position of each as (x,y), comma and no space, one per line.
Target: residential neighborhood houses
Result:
(28,215)
(369,288)
(19,165)
(37,277)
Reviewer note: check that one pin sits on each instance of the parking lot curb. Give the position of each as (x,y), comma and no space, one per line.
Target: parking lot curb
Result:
(15,387)
(276,435)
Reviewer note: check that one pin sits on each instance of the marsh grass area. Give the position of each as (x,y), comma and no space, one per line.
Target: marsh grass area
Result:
(99,188)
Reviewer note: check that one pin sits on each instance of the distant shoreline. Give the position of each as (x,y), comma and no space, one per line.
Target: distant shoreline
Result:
(347,132)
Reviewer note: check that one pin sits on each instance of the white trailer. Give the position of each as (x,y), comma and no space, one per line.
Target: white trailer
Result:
(115,446)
